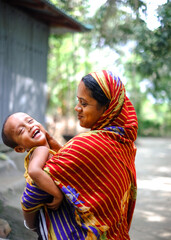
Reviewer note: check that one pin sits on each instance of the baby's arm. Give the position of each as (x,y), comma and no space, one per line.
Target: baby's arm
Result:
(41,178)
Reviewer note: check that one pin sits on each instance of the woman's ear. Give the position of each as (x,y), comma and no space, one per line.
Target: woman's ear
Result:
(19,149)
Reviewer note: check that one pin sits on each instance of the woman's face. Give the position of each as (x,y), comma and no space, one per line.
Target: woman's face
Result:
(88,109)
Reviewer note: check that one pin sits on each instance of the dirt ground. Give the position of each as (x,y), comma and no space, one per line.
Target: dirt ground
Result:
(152,217)
(15,219)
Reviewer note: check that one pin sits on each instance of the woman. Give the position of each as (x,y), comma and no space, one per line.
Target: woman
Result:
(96,170)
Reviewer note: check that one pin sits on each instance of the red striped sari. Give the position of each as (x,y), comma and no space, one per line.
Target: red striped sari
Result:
(96,170)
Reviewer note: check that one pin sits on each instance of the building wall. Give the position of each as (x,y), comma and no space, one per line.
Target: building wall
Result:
(23,64)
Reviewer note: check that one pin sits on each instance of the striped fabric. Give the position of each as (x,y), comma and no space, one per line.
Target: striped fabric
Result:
(42,226)
(96,170)
(60,224)
(53,225)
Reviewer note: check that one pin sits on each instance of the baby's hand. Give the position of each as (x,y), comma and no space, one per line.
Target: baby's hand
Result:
(54,205)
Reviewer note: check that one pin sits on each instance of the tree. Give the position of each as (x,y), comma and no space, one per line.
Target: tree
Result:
(67,61)
(154,53)
(119,22)
(116,24)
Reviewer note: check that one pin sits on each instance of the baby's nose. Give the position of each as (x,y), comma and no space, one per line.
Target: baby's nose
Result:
(29,127)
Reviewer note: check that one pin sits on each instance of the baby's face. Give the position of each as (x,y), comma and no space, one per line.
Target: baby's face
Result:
(26,131)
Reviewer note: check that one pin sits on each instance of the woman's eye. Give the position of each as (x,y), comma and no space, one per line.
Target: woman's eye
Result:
(84,104)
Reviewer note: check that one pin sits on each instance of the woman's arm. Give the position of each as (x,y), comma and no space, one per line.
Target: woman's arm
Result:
(41,178)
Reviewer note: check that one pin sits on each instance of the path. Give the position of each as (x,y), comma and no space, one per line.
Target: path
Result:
(152,218)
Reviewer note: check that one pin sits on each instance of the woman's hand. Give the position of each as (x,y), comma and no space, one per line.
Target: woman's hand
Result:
(54,205)
(53,144)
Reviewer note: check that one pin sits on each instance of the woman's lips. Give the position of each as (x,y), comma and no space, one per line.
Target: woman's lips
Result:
(79,117)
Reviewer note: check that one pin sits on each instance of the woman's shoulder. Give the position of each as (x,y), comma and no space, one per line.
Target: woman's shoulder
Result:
(84,136)
(92,133)
(86,139)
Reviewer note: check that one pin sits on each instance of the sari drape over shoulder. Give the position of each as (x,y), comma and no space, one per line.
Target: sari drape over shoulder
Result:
(96,169)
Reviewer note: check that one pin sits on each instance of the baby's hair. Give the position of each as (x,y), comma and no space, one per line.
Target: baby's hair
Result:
(7,140)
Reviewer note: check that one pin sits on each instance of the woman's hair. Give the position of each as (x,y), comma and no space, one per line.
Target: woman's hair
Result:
(95,90)
(7,140)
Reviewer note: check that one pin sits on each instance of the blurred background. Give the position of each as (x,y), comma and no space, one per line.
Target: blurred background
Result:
(132,38)
(46,47)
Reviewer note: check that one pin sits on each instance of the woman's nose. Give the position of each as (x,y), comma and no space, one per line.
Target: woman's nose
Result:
(78,108)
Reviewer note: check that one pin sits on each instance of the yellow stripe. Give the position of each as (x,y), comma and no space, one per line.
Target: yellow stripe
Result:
(71,223)
(100,78)
(85,199)
(95,175)
(118,167)
(80,177)
(107,161)
(98,161)
(30,208)
(99,179)
(56,223)
(51,233)
(62,225)
(39,194)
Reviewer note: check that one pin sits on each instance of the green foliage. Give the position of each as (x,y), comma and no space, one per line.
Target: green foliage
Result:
(147,68)
(66,65)
(114,23)
(154,51)
(76,8)
(150,60)
(67,61)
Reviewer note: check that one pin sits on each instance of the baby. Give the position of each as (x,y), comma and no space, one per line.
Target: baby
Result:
(23,133)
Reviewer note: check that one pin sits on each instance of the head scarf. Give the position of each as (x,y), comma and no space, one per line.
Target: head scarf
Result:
(120,115)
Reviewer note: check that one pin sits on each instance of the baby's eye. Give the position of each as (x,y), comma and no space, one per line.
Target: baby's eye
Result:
(21,131)
(30,120)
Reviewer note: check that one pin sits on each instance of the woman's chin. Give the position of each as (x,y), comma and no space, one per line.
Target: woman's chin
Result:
(81,125)
(84,126)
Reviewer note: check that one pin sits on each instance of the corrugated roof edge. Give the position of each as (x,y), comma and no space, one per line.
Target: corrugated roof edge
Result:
(85,27)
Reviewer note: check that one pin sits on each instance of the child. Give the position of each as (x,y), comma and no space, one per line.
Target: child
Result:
(23,133)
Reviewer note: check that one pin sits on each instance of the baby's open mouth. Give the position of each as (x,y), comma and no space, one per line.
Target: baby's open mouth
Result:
(35,133)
